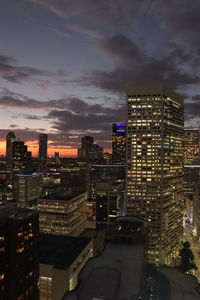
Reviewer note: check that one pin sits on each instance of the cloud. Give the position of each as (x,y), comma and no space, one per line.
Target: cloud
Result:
(13,126)
(192,109)
(104,12)
(133,66)
(17,74)
(62,33)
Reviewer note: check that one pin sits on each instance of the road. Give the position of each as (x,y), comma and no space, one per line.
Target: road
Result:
(195,247)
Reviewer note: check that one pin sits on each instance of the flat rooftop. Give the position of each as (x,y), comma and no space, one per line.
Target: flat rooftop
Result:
(19,213)
(60,251)
(115,274)
(63,195)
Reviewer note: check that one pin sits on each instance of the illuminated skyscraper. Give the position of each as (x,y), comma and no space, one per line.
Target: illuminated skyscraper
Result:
(191,145)
(119,143)
(154,170)
(42,151)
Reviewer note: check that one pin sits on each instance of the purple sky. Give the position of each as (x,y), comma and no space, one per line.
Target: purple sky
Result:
(64,64)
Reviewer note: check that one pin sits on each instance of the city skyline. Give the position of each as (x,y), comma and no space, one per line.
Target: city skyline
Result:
(64,67)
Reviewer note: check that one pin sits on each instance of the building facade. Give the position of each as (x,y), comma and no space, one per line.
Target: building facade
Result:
(29,189)
(154,170)
(119,143)
(61,260)
(63,213)
(108,197)
(42,151)
(191,146)
(19,266)
(89,151)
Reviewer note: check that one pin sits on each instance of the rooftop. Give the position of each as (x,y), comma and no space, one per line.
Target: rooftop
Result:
(63,195)
(153,89)
(60,251)
(19,213)
(116,272)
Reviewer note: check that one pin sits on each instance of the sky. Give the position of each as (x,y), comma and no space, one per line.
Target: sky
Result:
(64,65)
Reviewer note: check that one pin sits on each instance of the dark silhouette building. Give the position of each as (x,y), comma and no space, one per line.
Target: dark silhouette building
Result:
(89,151)
(19,259)
(42,151)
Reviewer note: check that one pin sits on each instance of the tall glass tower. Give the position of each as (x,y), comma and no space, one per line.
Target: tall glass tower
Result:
(154,169)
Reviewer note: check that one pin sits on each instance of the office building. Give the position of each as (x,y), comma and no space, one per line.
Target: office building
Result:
(56,156)
(19,229)
(191,146)
(107,196)
(17,156)
(29,188)
(63,213)
(119,143)
(87,142)
(154,167)
(42,151)
(107,158)
(61,260)
(89,151)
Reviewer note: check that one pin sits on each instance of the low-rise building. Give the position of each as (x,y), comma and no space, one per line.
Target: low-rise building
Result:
(61,260)
(118,273)
(63,213)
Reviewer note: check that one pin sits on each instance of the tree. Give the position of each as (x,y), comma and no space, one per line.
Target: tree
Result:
(187,258)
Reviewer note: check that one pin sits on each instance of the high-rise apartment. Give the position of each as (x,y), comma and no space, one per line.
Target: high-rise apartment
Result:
(154,170)
(42,151)
(119,143)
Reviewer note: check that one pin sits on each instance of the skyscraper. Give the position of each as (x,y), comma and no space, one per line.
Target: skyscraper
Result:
(18,158)
(119,143)
(89,151)
(10,137)
(191,145)
(42,151)
(154,170)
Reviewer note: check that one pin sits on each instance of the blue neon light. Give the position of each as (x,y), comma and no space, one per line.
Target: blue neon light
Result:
(121,124)
(121,130)
(28,175)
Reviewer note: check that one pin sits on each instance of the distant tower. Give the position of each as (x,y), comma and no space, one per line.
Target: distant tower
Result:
(10,137)
(56,156)
(119,143)
(18,158)
(42,151)
(87,142)
(154,167)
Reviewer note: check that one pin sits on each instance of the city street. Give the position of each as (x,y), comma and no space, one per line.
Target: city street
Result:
(195,247)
